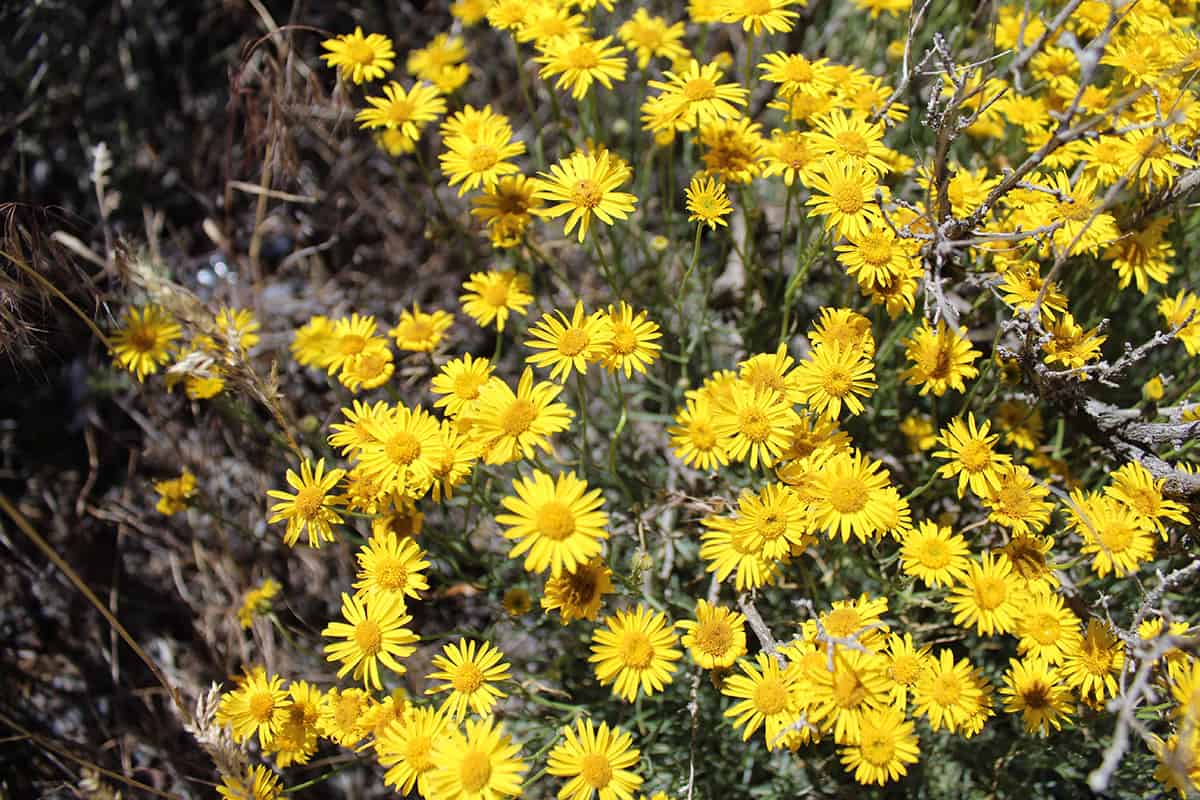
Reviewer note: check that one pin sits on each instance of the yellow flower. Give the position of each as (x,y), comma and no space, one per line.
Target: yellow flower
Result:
(692,98)
(716,638)
(143,343)
(483,764)
(351,336)
(774,520)
(858,619)
(442,51)
(970,455)
(989,596)
(1134,486)
(468,670)
(941,359)
(1046,628)
(390,567)
(257,783)
(174,495)
(374,634)
(769,697)
(580,60)
(257,602)
(550,22)
(833,376)
(694,436)
(919,431)
(1071,345)
(558,525)
(420,331)
(459,382)
(256,708)
(906,665)
(311,507)
(584,184)
(841,693)
(790,154)
(406,110)
(774,16)
(851,139)
(707,202)
(947,694)
(633,346)
(314,342)
(516,601)
(297,738)
(360,58)
(352,435)
(795,73)
(481,159)
(368,370)
(490,296)
(598,762)
(341,714)
(1092,662)
(1184,307)
(844,193)
(509,425)
(652,37)
(405,447)
(1017,501)
(506,209)
(635,651)
(405,749)
(934,554)
(1029,557)
(755,425)
(726,549)
(1031,688)
(849,496)
(570,344)
(577,594)
(732,149)
(1116,535)
(887,744)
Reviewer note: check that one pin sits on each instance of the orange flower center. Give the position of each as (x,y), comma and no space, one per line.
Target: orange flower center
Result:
(595,770)
(635,650)
(309,501)
(483,157)
(847,495)
(770,696)
(518,417)
(699,89)
(555,520)
(573,341)
(853,143)
(403,448)
(474,771)
(369,637)
(713,637)
(847,196)
(467,678)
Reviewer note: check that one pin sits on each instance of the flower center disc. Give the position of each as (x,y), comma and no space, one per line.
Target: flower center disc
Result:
(555,521)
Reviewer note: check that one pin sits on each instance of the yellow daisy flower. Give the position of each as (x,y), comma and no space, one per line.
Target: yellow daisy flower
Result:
(577,594)
(599,762)
(850,138)
(368,370)
(175,494)
(360,58)
(311,507)
(405,750)
(941,359)
(934,554)
(406,445)
(769,696)
(257,602)
(755,425)
(1134,486)
(578,61)
(947,693)
(716,638)
(374,634)
(887,744)
(1017,501)
(506,209)
(258,707)
(256,783)
(694,437)
(849,497)
(633,346)
(707,202)
(420,331)
(490,296)
(584,185)
(1046,628)
(459,382)
(1031,689)
(635,651)
(405,110)
(773,16)
(840,696)
(351,336)
(557,524)
(355,433)
(694,97)
(989,596)
(509,425)
(1118,538)
(390,567)
(340,717)
(833,376)
(297,738)
(969,450)
(468,670)
(652,37)
(480,763)
(483,158)
(570,344)
(143,343)
(844,194)
(1092,662)
(728,549)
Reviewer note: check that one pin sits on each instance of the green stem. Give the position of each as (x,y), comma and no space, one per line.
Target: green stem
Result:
(581,399)
(616,436)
